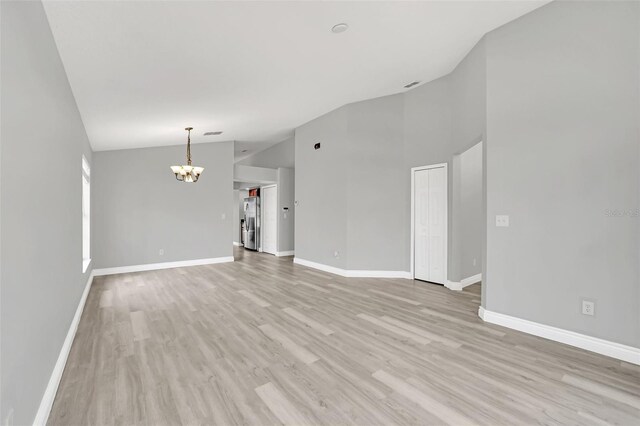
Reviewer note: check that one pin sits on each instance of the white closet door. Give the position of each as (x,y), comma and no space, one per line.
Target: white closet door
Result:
(421,224)
(430,225)
(270,219)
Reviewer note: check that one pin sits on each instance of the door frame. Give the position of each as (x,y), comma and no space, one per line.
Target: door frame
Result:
(262,222)
(446,216)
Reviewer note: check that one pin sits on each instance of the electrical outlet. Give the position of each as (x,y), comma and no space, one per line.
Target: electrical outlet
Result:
(502,220)
(161,252)
(475,262)
(588,307)
(336,254)
(223,216)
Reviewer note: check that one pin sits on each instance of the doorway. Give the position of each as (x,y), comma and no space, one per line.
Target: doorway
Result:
(429,229)
(269,219)
(468,218)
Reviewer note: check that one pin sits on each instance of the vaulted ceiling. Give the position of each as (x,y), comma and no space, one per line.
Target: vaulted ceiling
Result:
(142,71)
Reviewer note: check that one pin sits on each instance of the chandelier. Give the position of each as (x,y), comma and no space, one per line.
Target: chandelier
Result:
(187,173)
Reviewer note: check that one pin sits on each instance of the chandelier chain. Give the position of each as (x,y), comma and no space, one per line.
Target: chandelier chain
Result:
(189,146)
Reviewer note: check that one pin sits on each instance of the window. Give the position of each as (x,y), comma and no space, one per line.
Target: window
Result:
(86,214)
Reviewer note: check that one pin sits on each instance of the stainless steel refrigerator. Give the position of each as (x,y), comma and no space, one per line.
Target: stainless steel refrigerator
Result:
(251,222)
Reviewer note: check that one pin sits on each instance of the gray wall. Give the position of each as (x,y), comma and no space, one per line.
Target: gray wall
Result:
(382,139)
(139,207)
(444,118)
(472,218)
(286,220)
(554,96)
(40,209)
(253,174)
(279,155)
(427,140)
(321,190)
(563,148)
(375,190)
(468,127)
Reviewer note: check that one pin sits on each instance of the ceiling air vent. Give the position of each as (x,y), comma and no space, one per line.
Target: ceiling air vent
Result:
(410,85)
(212,133)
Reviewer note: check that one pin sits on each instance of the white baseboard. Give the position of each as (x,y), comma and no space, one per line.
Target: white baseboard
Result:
(593,344)
(354,273)
(363,273)
(471,280)
(237,244)
(320,266)
(165,265)
(56,375)
(453,285)
(457,286)
(285,253)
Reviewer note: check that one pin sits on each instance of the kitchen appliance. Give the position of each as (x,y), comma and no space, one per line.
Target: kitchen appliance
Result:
(251,222)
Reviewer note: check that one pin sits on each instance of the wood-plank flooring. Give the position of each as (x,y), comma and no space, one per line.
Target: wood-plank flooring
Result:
(262,341)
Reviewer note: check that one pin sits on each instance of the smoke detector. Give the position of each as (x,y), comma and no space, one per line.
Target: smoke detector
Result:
(212,133)
(339,28)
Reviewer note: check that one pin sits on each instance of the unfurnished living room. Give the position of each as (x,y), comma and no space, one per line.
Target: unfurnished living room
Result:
(319,213)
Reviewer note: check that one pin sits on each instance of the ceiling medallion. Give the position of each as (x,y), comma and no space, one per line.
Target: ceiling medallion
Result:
(187,173)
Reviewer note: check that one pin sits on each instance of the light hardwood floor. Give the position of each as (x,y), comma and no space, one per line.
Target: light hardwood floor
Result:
(262,341)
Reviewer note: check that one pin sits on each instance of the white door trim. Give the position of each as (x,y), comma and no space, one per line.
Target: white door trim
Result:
(446,216)
(262,216)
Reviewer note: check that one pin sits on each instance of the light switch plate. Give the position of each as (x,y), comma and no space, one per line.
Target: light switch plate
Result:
(502,220)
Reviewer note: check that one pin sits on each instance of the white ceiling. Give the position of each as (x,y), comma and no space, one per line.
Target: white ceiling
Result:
(142,71)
